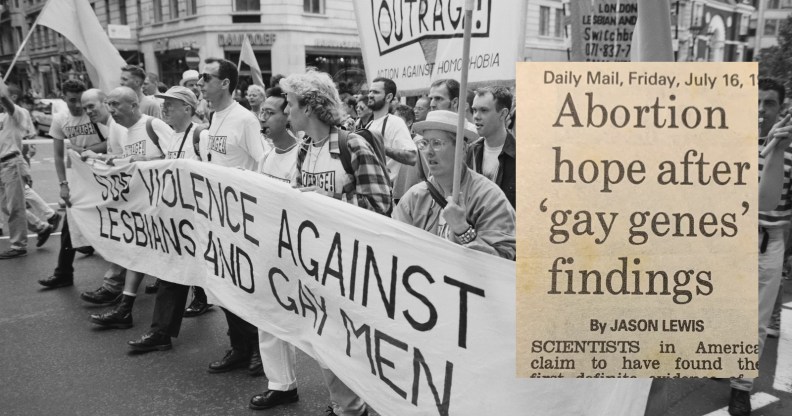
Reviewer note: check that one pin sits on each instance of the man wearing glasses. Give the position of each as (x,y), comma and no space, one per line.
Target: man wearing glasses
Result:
(484,220)
(234,141)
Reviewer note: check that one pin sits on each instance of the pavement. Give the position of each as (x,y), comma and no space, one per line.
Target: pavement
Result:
(54,361)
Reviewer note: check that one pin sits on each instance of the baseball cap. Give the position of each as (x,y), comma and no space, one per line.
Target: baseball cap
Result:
(180,93)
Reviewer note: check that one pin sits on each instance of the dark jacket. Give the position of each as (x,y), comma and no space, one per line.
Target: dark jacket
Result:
(507,167)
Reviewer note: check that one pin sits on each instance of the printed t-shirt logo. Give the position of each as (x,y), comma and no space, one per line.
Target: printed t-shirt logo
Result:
(218,144)
(323,180)
(275,177)
(137,148)
(81,130)
(175,155)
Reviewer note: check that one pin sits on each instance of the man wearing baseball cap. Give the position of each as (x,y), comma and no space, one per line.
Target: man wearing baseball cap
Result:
(483,219)
(178,108)
(190,80)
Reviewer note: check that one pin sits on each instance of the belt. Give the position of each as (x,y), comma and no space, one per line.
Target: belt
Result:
(9,156)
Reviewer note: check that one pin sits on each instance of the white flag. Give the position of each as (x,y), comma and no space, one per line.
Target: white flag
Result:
(77,22)
(247,56)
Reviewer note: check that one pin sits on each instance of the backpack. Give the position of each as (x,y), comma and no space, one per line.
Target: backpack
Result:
(152,135)
(197,136)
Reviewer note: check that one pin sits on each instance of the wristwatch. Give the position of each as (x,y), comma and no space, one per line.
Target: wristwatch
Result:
(64,183)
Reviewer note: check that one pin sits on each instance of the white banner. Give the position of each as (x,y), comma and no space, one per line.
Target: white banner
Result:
(413,323)
(415,42)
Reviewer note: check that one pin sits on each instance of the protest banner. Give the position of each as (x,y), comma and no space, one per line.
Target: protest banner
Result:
(411,322)
(637,218)
(602,30)
(416,42)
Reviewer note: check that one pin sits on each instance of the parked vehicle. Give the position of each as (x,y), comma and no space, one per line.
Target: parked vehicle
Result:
(43,112)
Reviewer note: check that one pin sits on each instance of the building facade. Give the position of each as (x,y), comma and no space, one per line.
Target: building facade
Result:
(711,30)
(766,22)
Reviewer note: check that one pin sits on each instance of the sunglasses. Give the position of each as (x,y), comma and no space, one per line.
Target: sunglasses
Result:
(208,77)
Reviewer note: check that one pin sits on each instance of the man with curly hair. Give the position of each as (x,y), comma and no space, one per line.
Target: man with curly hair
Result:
(315,108)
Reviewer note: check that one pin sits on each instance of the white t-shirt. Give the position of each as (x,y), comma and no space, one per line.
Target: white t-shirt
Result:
(321,170)
(79,130)
(180,144)
(234,139)
(397,136)
(135,141)
(281,166)
(490,163)
(12,129)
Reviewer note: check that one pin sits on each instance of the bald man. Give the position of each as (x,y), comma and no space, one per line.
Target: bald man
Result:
(86,130)
(131,140)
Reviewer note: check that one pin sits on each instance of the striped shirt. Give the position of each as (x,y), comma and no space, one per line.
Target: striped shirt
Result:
(369,185)
(782,214)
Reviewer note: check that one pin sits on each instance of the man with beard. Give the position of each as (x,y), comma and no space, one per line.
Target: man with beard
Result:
(444,95)
(399,147)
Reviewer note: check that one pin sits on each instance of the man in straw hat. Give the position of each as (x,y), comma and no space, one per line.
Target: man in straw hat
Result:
(483,219)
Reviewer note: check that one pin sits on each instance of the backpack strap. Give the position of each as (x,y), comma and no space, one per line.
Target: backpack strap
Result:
(197,140)
(436,194)
(99,133)
(152,135)
(343,148)
(384,123)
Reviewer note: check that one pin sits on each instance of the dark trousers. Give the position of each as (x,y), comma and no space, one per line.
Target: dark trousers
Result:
(169,308)
(243,335)
(65,267)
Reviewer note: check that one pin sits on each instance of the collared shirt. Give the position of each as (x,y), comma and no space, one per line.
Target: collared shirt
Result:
(781,215)
(12,130)
(368,187)
(487,210)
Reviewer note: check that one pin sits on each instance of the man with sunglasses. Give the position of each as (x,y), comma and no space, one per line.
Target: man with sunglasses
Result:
(235,141)
(483,219)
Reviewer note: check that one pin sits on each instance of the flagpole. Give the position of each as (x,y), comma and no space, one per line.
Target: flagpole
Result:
(21,48)
(460,137)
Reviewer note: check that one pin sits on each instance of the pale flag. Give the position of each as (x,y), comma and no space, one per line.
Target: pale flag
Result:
(651,40)
(77,22)
(247,56)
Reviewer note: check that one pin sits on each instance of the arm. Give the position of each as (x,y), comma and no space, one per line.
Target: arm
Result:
(491,216)
(406,157)
(60,170)
(5,99)
(771,178)
(98,147)
(371,181)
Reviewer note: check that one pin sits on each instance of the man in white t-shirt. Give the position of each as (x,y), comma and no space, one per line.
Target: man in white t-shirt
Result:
(85,126)
(399,147)
(133,76)
(493,155)
(178,108)
(132,138)
(13,174)
(277,356)
(234,141)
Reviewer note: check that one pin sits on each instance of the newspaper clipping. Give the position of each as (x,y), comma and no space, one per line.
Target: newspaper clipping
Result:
(637,219)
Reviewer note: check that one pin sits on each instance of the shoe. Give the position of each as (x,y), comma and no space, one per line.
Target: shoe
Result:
(101,296)
(151,341)
(774,329)
(197,308)
(87,250)
(13,253)
(54,221)
(120,317)
(44,235)
(54,282)
(255,368)
(232,360)
(740,403)
(330,412)
(152,288)
(272,398)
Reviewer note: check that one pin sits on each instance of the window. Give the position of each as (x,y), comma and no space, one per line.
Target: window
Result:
(192,7)
(122,17)
(772,4)
(107,12)
(157,5)
(174,9)
(559,23)
(770,27)
(247,5)
(313,6)
(544,21)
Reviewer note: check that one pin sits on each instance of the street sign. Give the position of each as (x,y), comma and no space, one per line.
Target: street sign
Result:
(192,59)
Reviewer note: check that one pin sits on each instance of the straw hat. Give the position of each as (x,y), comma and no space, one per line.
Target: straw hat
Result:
(446,121)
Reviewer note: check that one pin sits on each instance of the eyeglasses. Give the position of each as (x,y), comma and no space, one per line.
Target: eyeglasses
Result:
(266,114)
(208,77)
(435,144)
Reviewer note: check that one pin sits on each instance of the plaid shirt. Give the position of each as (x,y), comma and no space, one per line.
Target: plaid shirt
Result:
(370,181)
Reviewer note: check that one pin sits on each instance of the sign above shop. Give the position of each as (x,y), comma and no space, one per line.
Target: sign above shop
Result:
(161,45)
(339,44)
(256,38)
(119,32)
